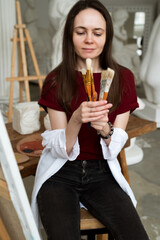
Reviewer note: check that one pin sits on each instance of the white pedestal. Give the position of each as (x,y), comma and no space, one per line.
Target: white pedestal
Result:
(150,112)
(134,154)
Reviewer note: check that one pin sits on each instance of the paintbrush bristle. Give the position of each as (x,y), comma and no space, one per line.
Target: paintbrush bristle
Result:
(104,74)
(109,73)
(88,63)
(83,71)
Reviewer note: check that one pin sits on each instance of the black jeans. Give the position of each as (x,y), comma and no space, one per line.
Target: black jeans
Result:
(91,183)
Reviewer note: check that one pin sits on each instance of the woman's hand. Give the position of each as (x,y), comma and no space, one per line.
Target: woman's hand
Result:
(92,112)
(101,125)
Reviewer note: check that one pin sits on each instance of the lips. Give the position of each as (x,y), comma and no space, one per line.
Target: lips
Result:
(88,49)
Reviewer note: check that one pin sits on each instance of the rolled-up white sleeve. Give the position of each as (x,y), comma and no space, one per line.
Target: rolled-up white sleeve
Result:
(118,140)
(55,140)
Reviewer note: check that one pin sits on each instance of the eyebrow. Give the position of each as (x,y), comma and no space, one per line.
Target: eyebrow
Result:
(97,29)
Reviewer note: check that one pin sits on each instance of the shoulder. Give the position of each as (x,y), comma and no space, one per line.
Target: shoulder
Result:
(49,82)
(127,79)
(48,97)
(129,95)
(50,76)
(126,73)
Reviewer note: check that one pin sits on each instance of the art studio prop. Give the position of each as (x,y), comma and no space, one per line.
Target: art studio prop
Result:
(18,223)
(26,117)
(21,38)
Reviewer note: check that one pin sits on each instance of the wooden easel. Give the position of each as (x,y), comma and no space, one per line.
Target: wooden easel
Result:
(20,36)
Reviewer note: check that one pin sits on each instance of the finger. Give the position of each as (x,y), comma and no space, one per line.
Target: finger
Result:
(103,120)
(91,113)
(91,119)
(98,109)
(109,105)
(95,104)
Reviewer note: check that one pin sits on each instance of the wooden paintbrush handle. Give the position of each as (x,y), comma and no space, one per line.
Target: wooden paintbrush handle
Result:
(88,89)
(93,92)
(105,95)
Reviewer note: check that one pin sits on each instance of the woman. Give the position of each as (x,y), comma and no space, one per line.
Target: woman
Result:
(77,164)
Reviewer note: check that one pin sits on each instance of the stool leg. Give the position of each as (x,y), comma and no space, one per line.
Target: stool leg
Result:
(102,237)
(91,236)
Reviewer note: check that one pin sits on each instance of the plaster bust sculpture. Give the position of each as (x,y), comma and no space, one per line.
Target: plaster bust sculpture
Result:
(58,11)
(30,17)
(119,17)
(124,53)
(39,38)
(150,67)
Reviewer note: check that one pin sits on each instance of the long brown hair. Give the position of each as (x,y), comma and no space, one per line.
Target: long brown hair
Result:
(65,73)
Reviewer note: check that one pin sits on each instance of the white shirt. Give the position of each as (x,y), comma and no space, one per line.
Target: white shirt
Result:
(54,156)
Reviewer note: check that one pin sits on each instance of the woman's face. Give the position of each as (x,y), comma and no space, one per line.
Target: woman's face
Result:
(89,34)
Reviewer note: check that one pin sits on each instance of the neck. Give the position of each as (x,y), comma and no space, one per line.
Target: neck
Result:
(81,63)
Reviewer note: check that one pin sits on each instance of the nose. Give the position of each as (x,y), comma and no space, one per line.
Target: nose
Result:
(89,38)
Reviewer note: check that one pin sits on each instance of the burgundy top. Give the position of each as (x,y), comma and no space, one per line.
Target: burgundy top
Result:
(89,141)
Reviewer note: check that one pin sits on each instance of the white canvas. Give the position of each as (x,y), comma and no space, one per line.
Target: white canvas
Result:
(16,186)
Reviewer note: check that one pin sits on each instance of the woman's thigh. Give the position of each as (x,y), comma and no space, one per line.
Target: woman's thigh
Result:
(113,207)
(59,211)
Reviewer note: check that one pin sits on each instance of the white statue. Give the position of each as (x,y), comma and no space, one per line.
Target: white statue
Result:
(150,67)
(39,38)
(124,53)
(58,11)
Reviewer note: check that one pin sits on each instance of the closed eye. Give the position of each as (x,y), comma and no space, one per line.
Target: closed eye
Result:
(80,33)
(98,34)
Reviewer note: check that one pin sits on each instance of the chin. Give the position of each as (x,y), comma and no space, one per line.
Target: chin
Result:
(85,56)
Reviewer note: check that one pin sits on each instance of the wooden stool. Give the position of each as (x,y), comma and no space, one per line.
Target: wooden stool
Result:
(91,227)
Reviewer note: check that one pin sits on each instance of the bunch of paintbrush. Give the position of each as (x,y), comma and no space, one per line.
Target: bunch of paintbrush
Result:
(89,81)
(106,81)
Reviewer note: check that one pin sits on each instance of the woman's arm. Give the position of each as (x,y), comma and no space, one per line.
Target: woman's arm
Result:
(58,120)
(122,120)
(111,147)
(87,112)
(103,128)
